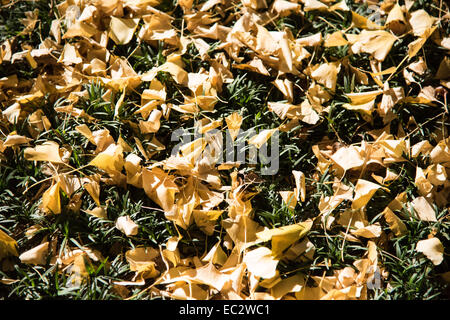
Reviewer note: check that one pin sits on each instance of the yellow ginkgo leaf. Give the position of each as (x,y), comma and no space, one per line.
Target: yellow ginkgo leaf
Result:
(210,276)
(420,22)
(93,188)
(423,209)
(242,231)
(142,261)
(326,74)
(70,55)
(348,158)
(51,200)
(377,43)
(261,263)
(109,160)
(15,139)
(364,190)
(335,39)
(396,20)
(48,151)
(289,198)
(37,255)
(8,246)
(300,185)
(216,255)
(415,46)
(437,174)
(287,285)
(79,271)
(98,212)
(205,219)
(121,30)
(160,187)
(363,97)
(261,138)
(283,237)
(395,223)
(179,75)
(78,29)
(359,21)
(372,231)
(127,226)
(153,123)
(432,249)
(309,5)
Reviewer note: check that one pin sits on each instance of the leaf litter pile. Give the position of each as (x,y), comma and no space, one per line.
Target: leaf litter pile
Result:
(93,205)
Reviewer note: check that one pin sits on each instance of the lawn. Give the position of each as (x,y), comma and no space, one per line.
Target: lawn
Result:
(224,149)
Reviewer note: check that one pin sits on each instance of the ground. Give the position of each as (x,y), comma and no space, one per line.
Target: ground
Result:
(355,92)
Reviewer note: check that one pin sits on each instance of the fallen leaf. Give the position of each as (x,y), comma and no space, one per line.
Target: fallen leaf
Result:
(98,212)
(8,246)
(377,43)
(300,185)
(51,200)
(127,226)
(262,137)
(48,151)
(283,237)
(261,263)
(110,160)
(396,20)
(432,249)
(364,190)
(141,261)
(121,30)
(395,223)
(420,22)
(36,255)
(423,209)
